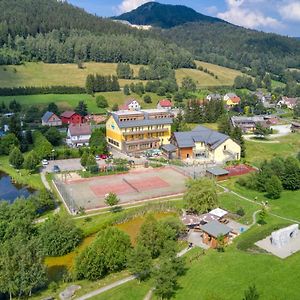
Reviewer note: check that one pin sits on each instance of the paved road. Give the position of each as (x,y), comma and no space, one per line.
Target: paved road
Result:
(106,288)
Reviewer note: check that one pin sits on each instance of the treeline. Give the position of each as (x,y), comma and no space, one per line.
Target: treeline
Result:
(246,82)
(33,90)
(72,46)
(274,176)
(99,83)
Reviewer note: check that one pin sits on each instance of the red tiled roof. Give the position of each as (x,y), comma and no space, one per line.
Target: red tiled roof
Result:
(68,114)
(235,99)
(165,103)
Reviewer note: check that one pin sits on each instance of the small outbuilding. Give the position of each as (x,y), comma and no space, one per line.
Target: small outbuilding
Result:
(51,119)
(217,172)
(211,232)
(169,151)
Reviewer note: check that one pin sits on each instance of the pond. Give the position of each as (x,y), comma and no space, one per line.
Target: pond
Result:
(10,191)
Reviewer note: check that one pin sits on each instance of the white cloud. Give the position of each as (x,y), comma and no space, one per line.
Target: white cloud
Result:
(240,13)
(128,5)
(290,11)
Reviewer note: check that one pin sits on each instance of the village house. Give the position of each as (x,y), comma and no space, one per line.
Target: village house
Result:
(51,119)
(248,124)
(137,131)
(71,117)
(78,135)
(288,102)
(232,99)
(131,104)
(165,104)
(216,97)
(203,144)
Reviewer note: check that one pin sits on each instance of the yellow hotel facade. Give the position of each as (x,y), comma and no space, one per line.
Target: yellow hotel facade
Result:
(137,131)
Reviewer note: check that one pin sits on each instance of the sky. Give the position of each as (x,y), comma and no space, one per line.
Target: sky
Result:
(279,16)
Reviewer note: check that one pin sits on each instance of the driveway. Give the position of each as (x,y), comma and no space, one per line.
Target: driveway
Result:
(64,165)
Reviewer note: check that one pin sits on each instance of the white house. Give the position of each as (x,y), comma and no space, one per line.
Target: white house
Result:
(79,135)
(131,104)
(289,102)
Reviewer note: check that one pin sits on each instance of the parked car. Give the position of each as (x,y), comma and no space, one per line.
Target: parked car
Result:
(45,162)
(103,156)
(97,157)
(56,169)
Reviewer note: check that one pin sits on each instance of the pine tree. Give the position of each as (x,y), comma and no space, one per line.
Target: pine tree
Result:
(89,84)
(16,158)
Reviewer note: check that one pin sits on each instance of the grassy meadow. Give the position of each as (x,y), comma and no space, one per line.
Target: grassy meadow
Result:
(43,74)
(67,101)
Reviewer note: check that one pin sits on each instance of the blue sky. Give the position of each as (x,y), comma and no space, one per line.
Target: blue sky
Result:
(280,16)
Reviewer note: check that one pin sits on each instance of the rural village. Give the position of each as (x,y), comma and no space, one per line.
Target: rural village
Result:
(135,178)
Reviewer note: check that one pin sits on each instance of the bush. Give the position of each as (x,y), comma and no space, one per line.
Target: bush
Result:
(240,212)
(147,99)
(59,236)
(108,253)
(101,101)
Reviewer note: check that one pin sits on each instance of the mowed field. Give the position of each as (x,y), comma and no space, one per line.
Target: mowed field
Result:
(226,76)
(42,74)
(67,101)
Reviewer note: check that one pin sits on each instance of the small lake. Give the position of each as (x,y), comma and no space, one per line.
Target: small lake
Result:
(10,191)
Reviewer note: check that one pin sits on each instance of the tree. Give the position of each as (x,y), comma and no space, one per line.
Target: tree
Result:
(165,279)
(201,195)
(237,135)
(115,107)
(59,235)
(53,136)
(188,84)
(221,243)
(98,142)
(91,163)
(81,108)
(262,216)
(89,84)
(16,158)
(107,253)
(21,267)
(101,101)
(147,99)
(84,158)
(126,90)
(267,82)
(15,126)
(224,125)
(274,187)
(260,131)
(112,199)
(291,176)
(14,106)
(251,293)
(7,143)
(140,262)
(31,161)
(53,108)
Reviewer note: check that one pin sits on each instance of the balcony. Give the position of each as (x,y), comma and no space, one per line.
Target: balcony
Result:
(145,131)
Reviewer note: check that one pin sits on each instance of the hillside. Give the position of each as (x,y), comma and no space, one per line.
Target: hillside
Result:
(41,74)
(165,15)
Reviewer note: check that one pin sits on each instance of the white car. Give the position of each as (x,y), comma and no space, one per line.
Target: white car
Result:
(45,162)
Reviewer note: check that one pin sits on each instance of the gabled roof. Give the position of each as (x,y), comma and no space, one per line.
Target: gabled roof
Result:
(47,115)
(202,134)
(215,229)
(68,114)
(80,129)
(169,148)
(165,103)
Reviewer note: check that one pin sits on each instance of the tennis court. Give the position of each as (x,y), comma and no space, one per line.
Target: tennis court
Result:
(238,170)
(137,185)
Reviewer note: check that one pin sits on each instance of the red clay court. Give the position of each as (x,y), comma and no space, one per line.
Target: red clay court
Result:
(239,170)
(137,185)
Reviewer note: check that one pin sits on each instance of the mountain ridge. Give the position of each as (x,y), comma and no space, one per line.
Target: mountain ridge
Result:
(165,15)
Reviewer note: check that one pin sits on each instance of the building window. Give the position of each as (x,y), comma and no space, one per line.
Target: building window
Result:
(224,147)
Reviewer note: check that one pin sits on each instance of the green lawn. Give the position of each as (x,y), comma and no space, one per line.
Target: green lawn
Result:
(42,74)
(65,101)
(23,176)
(287,206)
(259,151)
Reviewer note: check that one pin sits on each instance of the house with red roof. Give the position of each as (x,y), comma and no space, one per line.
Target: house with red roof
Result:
(232,99)
(71,117)
(165,104)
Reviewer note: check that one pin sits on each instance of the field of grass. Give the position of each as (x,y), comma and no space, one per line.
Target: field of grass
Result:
(226,76)
(288,205)
(65,101)
(41,74)
(257,152)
